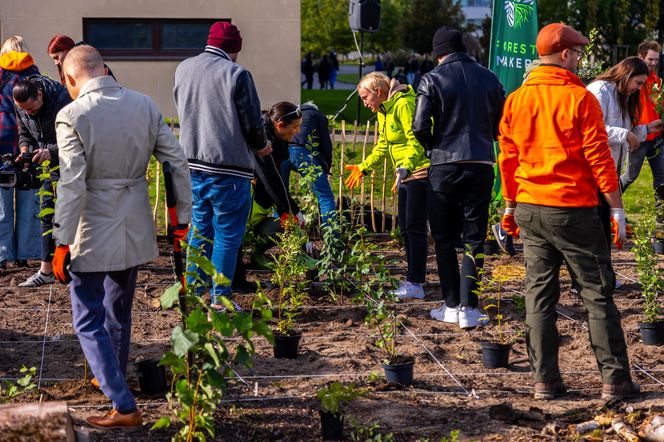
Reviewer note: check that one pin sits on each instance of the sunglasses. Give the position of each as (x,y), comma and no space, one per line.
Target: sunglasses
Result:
(297,112)
(579,54)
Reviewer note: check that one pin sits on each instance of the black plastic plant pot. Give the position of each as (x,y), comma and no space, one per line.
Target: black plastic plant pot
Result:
(401,372)
(286,346)
(658,246)
(652,333)
(491,247)
(312,275)
(332,425)
(151,376)
(495,355)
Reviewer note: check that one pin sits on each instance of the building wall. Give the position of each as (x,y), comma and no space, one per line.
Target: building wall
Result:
(270,31)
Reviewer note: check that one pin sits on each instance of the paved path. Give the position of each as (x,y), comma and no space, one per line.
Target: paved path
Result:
(343,69)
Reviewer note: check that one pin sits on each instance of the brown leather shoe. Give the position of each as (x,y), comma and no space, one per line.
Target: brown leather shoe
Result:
(549,390)
(625,390)
(115,420)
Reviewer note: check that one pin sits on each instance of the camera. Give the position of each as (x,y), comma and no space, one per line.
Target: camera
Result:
(19,173)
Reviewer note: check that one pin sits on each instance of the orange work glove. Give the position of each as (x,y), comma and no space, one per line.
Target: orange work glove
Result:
(178,233)
(508,223)
(60,262)
(618,227)
(355,176)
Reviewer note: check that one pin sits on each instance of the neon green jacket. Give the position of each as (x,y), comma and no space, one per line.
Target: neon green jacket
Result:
(395,121)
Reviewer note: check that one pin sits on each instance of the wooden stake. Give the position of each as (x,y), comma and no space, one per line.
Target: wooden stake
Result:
(156,199)
(352,192)
(364,156)
(342,160)
(383,206)
(373,179)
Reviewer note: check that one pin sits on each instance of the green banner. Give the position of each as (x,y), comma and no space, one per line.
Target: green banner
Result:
(512,49)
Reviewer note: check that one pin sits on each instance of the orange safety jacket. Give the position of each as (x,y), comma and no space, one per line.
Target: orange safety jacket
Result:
(647,112)
(554,148)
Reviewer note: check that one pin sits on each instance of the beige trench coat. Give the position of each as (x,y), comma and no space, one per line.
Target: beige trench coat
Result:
(105,140)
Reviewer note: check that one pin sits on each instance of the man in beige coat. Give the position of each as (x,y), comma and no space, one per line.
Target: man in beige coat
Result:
(106,138)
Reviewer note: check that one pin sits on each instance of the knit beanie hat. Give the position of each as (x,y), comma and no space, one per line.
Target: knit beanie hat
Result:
(447,40)
(225,36)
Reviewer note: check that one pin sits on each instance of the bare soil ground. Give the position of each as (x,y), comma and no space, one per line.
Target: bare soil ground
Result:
(276,399)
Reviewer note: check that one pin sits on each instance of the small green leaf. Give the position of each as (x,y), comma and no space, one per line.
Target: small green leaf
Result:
(175,363)
(204,264)
(170,296)
(163,422)
(183,340)
(197,322)
(222,324)
(213,353)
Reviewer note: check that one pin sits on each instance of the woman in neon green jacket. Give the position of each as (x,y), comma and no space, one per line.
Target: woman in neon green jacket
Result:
(394,104)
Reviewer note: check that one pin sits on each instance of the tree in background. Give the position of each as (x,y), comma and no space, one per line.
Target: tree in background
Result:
(424,17)
(324,26)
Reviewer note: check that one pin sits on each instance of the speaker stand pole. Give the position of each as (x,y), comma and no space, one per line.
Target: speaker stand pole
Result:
(359,99)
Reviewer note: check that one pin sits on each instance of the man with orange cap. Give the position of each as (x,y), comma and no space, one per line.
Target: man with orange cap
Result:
(554,159)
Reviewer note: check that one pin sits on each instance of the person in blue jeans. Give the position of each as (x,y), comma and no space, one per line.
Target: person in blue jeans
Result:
(312,146)
(222,133)
(19,209)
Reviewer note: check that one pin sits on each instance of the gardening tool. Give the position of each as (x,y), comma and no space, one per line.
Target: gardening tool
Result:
(174,230)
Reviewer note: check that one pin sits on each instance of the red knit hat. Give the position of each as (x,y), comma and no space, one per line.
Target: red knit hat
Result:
(557,37)
(226,36)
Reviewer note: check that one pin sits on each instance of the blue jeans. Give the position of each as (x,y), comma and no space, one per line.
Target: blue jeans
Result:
(651,150)
(298,159)
(221,205)
(101,311)
(19,229)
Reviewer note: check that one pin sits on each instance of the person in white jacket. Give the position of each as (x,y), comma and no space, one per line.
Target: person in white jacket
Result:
(106,137)
(617,91)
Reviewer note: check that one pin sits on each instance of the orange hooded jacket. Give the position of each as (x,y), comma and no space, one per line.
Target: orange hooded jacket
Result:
(554,149)
(16,61)
(648,112)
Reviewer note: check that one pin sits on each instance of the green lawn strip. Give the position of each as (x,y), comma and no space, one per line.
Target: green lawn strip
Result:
(330,101)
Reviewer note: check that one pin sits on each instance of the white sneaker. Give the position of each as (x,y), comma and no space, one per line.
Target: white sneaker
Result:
(38,279)
(399,292)
(410,290)
(469,317)
(445,314)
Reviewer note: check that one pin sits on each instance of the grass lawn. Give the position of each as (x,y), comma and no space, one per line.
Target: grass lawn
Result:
(330,101)
(639,194)
(347,78)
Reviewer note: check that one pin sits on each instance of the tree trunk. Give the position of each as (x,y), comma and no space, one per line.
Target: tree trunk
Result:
(48,421)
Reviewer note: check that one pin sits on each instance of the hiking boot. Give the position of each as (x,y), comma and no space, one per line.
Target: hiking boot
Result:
(245,287)
(469,317)
(21,263)
(445,314)
(116,420)
(38,279)
(3,265)
(625,390)
(95,383)
(409,290)
(549,390)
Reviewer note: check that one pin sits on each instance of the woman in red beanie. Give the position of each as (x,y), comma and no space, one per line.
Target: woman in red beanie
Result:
(59,47)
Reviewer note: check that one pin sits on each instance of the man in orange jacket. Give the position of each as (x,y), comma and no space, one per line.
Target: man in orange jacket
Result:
(648,51)
(554,159)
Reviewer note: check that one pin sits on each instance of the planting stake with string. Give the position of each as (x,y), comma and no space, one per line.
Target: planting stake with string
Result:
(373,178)
(342,161)
(352,191)
(382,204)
(364,156)
(157,195)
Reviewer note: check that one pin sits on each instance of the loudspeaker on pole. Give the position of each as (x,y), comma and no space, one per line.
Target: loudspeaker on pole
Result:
(364,15)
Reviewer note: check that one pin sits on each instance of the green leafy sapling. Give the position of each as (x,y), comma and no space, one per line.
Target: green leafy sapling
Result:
(335,395)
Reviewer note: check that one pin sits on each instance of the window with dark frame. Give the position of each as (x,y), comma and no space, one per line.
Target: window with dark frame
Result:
(147,38)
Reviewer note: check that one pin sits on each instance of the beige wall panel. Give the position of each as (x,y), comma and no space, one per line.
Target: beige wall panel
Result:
(270,30)
(273,57)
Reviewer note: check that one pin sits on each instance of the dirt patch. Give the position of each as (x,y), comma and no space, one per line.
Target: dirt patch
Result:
(275,399)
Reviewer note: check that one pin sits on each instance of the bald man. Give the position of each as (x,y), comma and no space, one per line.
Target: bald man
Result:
(106,137)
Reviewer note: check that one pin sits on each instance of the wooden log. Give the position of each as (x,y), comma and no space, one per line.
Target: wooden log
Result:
(48,421)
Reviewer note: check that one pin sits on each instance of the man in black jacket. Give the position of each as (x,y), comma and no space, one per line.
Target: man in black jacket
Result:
(38,100)
(458,109)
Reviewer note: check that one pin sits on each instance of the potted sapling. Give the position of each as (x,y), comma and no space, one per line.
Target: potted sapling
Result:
(290,264)
(651,279)
(495,351)
(385,321)
(333,397)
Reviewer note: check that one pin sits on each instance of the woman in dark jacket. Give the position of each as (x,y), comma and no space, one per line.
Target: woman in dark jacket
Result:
(19,221)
